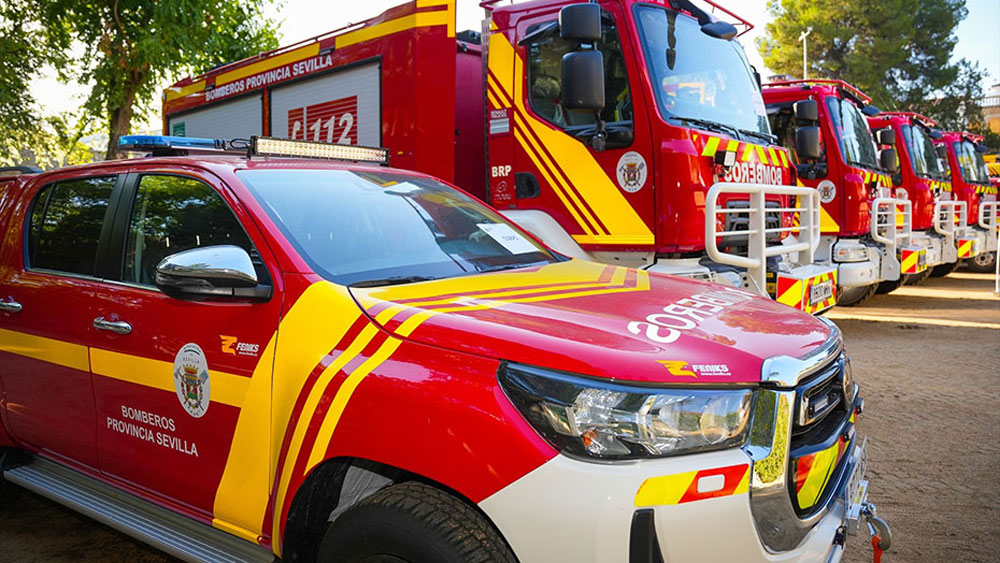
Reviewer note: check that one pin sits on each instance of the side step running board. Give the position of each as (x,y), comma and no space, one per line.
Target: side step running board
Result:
(172,533)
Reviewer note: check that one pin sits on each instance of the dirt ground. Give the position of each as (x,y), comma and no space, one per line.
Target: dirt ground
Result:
(928,361)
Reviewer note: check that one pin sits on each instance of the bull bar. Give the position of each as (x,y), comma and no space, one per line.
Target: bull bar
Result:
(885,230)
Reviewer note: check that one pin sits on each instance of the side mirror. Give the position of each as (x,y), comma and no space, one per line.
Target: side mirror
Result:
(886,136)
(210,271)
(580,23)
(583,79)
(887,160)
(806,111)
(807,143)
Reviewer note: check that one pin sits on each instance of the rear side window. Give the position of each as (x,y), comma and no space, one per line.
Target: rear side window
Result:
(65,225)
(172,214)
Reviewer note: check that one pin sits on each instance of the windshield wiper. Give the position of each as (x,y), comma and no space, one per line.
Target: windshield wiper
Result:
(710,125)
(510,267)
(766,137)
(391,280)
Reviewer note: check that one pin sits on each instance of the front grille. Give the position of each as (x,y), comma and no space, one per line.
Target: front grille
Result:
(821,436)
(741,222)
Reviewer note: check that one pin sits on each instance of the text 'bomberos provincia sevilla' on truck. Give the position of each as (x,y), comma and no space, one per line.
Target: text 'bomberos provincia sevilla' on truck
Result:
(610,132)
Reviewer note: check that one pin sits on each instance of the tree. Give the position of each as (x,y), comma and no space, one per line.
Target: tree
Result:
(132,46)
(49,142)
(896,51)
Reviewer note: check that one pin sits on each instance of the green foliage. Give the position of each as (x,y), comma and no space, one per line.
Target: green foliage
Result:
(132,46)
(49,142)
(896,51)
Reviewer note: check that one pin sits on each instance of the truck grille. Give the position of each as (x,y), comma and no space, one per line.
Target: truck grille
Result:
(821,435)
(741,222)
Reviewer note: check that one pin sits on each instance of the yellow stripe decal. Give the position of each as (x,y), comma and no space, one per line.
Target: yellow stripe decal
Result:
(419,19)
(227,388)
(174,93)
(732,145)
(47,350)
(307,51)
(711,146)
(664,490)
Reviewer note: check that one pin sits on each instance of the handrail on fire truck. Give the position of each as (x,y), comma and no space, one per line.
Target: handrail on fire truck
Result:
(757,230)
(839,83)
(912,115)
(886,230)
(989,219)
(949,215)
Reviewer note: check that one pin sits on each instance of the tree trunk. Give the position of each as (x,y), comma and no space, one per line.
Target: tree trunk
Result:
(120,116)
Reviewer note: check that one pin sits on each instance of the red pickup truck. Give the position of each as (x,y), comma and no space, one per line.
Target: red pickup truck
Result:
(237,356)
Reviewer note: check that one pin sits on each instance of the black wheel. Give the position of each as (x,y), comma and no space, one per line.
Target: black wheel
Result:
(889,286)
(854,296)
(983,263)
(917,279)
(412,523)
(942,270)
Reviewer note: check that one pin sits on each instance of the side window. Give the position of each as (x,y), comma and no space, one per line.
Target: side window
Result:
(545,80)
(65,225)
(783,125)
(172,214)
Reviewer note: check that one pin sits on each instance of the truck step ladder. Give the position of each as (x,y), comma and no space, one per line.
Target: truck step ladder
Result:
(172,533)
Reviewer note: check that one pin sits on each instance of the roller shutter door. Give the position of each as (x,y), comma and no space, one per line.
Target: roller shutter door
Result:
(341,107)
(236,119)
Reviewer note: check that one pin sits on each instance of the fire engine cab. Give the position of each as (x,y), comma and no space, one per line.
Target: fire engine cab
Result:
(963,153)
(629,133)
(866,231)
(326,359)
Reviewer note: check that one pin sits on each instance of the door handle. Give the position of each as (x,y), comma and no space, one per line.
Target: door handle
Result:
(118,327)
(10,307)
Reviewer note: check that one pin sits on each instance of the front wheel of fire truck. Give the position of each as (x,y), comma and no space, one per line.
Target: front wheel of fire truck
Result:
(411,523)
(889,286)
(854,296)
(982,263)
(942,270)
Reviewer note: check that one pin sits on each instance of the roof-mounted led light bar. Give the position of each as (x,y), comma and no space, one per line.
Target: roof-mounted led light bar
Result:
(160,145)
(269,146)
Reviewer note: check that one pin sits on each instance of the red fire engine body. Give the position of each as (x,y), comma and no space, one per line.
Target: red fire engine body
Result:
(971,184)
(637,196)
(247,364)
(923,178)
(865,233)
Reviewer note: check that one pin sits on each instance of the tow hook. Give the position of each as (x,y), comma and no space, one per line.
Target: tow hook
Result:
(879,530)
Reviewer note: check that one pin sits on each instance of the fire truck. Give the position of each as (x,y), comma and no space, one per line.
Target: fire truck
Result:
(626,132)
(866,231)
(971,184)
(924,179)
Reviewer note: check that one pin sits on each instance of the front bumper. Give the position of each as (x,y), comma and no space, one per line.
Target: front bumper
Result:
(932,247)
(572,510)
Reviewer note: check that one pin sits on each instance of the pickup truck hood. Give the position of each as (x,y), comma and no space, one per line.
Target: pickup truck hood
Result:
(599,320)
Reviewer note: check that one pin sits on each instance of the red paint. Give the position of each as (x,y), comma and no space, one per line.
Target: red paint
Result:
(918,189)
(961,189)
(732,474)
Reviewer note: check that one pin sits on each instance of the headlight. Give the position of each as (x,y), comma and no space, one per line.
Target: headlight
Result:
(850,253)
(606,420)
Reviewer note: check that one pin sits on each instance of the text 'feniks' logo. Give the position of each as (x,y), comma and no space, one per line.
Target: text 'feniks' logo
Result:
(231,345)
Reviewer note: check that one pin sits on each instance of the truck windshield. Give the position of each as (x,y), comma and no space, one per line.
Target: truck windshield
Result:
(699,77)
(971,162)
(922,154)
(379,228)
(853,135)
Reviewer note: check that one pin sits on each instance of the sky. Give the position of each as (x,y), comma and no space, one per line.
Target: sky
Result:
(979,40)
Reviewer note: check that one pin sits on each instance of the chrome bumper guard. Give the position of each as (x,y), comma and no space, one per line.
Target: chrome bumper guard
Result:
(885,230)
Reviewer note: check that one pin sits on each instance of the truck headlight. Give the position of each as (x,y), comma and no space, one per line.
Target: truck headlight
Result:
(606,420)
(850,253)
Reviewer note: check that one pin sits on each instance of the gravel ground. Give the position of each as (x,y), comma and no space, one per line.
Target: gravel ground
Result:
(928,360)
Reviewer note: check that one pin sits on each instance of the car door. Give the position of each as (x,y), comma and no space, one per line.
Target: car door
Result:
(171,374)
(49,276)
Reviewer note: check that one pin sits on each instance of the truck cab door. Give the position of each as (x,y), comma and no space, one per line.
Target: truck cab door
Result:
(172,388)
(604,199)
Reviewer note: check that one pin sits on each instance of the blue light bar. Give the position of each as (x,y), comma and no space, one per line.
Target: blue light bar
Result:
(143,143)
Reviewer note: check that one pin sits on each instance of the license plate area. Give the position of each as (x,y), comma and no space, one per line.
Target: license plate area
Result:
(857,489)
(820,292)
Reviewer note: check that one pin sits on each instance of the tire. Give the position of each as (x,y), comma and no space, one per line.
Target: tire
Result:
(854,296)
(889,286)
(917,279)
(412,523)
(942,270)
(983,263)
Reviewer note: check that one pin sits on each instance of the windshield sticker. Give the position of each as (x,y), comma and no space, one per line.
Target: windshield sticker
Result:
(191,380)
(827,191)
(508,238)
(631,172)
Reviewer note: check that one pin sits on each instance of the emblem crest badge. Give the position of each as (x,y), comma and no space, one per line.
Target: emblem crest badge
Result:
(191,380)
(631,171)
